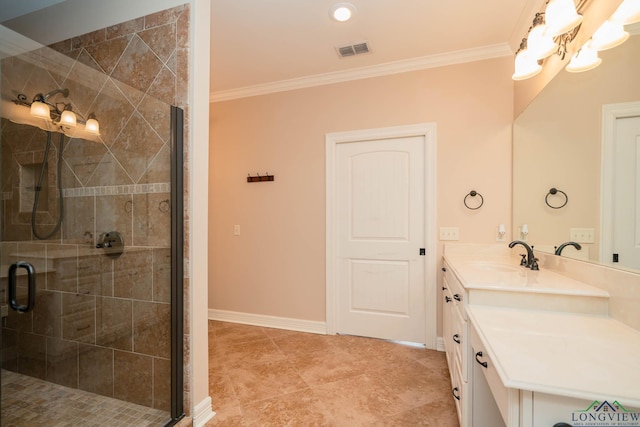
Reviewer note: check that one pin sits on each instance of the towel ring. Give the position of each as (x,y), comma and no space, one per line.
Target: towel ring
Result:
(554,191)
(473,193)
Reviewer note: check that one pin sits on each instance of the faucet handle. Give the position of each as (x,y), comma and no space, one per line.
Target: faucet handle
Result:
(534,264)
(523,261)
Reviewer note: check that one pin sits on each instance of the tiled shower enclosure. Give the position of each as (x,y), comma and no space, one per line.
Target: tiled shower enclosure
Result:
(101,324)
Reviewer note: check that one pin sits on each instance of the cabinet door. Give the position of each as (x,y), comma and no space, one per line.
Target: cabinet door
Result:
(447,324)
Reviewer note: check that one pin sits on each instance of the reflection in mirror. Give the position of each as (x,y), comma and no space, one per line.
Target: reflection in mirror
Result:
(558,143)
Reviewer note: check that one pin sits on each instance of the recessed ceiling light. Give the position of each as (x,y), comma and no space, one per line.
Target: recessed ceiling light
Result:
(342,12)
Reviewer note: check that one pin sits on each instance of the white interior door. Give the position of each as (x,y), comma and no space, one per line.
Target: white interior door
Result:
(626,198)
(380,201)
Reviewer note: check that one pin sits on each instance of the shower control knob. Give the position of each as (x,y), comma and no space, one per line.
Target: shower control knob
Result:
(112,243)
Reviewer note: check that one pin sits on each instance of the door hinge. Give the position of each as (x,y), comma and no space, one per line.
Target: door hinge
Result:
(422,252)
(615,257)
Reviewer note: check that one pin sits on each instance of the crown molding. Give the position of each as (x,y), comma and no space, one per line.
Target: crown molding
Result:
(421,63)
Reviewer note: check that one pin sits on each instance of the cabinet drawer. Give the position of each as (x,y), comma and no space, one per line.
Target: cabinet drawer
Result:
(459,338)
(459,392)
(457,291)
(483,361)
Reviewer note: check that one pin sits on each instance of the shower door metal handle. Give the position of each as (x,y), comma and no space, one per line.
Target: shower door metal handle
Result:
(31,287)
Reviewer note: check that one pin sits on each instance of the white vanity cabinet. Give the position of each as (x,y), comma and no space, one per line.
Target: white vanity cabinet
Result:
(531,349)
(455,336)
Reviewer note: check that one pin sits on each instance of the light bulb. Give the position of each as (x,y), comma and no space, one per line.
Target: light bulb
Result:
(41,110)
(92,126)
(342,12)
(526,66)
(628,12)
(609,35)
(540,44)
(68,118)
(561,17)
(584,60)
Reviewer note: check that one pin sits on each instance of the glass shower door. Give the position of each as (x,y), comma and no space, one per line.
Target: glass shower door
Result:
(88,221)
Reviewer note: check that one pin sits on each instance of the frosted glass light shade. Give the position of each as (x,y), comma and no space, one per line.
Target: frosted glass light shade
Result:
(41,110)
(539,44)
(628,12)
(561,17)
(584,60)
(526,66)
(609,35)
(92,126)
(68,118)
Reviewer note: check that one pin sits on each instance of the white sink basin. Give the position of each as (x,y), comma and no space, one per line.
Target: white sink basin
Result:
(497,267)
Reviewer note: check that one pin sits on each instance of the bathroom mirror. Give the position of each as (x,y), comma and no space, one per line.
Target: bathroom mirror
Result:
(558,143)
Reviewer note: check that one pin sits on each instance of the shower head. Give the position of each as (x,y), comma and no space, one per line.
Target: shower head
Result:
(64,92)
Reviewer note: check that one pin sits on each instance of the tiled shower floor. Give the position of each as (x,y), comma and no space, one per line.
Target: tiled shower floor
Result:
(30,402)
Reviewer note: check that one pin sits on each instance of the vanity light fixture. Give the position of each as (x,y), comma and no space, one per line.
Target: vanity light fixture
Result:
(560,23)
(550,32)
(342,12)
(57,113)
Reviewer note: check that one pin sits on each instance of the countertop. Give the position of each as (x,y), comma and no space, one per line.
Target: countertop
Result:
(580,356)
(504,273)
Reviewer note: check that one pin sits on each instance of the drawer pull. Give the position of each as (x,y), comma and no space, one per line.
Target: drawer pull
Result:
(457,297)
(447,299)
(454,391)
(444,269)
(484,364)
(456,338)
(444,288)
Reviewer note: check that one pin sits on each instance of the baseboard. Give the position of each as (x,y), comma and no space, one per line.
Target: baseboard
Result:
(203,412)
(269,321)
(440,344)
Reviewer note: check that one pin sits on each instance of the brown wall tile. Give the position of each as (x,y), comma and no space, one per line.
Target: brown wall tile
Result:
(47,314)
(78,318)
(62,362)
(32,355)
(162,384)
(114,323)
(152,328)
(95,369)
(133,378)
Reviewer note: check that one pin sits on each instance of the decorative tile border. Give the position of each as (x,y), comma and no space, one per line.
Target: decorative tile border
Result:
(111,190)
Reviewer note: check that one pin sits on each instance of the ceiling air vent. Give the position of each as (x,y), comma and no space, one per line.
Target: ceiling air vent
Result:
(353,49)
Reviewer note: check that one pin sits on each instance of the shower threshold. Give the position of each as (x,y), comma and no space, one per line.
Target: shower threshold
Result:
(28,401)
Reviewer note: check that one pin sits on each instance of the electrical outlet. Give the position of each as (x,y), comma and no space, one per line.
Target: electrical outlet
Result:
(236,230)
(449,233)
(583,235)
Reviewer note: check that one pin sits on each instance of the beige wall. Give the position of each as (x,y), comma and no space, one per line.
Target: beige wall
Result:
(277,265)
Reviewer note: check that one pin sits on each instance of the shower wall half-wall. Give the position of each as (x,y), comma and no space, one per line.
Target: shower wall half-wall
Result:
(100,324)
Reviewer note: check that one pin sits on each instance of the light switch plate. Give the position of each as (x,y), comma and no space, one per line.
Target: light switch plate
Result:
(583,235)
(449,233)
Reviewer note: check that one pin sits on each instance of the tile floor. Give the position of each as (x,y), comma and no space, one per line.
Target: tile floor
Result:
(269,377)
(30,402)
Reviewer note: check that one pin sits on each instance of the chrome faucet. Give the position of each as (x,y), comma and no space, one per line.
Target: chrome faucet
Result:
(564,245)
(531,261)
